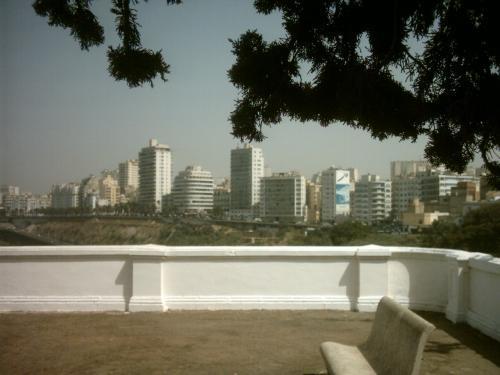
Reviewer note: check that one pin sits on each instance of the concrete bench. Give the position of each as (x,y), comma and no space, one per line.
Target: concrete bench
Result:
(395,345)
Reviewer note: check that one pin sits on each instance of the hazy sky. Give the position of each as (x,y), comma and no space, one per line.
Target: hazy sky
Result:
(63,117)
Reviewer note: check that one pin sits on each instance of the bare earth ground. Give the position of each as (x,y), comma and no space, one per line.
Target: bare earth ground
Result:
(214,342)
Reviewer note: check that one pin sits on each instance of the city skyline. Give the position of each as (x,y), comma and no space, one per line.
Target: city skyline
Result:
(63,118)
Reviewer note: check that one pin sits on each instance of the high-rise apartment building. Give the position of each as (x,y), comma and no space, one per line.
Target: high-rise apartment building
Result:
(371,199)
(247,170)
(436,186)
(335,194)
(155,165)
(283,197)
(404,191)
(193,190)
(128,176)
(65,195)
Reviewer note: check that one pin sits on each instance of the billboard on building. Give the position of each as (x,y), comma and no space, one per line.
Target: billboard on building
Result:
(342,192)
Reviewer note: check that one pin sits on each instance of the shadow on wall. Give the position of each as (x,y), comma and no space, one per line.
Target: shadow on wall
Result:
(350,279)
(124,278)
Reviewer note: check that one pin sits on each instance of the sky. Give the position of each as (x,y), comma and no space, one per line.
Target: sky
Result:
(62,117)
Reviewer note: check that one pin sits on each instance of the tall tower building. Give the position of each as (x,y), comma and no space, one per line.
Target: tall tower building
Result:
(335,193)
(155,164)
(247,170)
(128,175)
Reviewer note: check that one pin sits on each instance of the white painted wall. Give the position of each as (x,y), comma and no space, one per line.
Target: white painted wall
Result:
(466,286)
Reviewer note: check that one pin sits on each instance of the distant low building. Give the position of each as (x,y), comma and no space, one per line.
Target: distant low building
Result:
(408,168)
(416,217)
(26,203)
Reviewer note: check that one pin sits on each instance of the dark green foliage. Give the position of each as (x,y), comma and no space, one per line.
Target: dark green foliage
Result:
(136,66)
(74,15)
(454,82)
(479,232)
(342,234)
(129,62)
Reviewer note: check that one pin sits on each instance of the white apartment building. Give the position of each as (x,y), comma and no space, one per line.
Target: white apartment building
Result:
(193,190)
(371,199)
(436,186)
(7,191)
(335,194)
(247,170)
(283,197)
(128,176)
(26,203)
(155,164)
(65,195)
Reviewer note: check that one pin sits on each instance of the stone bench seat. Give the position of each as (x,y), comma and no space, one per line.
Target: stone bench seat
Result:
(395,345)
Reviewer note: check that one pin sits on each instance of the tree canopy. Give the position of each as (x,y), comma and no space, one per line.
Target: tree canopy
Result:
(129,61)
(357,51)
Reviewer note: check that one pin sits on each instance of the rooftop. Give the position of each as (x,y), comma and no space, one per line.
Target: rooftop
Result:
(215,342)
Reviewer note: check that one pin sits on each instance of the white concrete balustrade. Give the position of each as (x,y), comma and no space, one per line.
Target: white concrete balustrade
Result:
(465,286)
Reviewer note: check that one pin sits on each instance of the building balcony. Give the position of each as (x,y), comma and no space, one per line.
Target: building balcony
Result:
(304,283)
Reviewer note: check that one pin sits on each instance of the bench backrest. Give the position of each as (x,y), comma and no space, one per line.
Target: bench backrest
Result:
(397,339)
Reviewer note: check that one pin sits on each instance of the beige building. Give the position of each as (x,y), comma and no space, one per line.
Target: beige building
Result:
(408,168)
(416,217)
(109,190)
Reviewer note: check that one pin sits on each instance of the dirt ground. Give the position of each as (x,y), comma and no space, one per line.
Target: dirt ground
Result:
(214,342)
